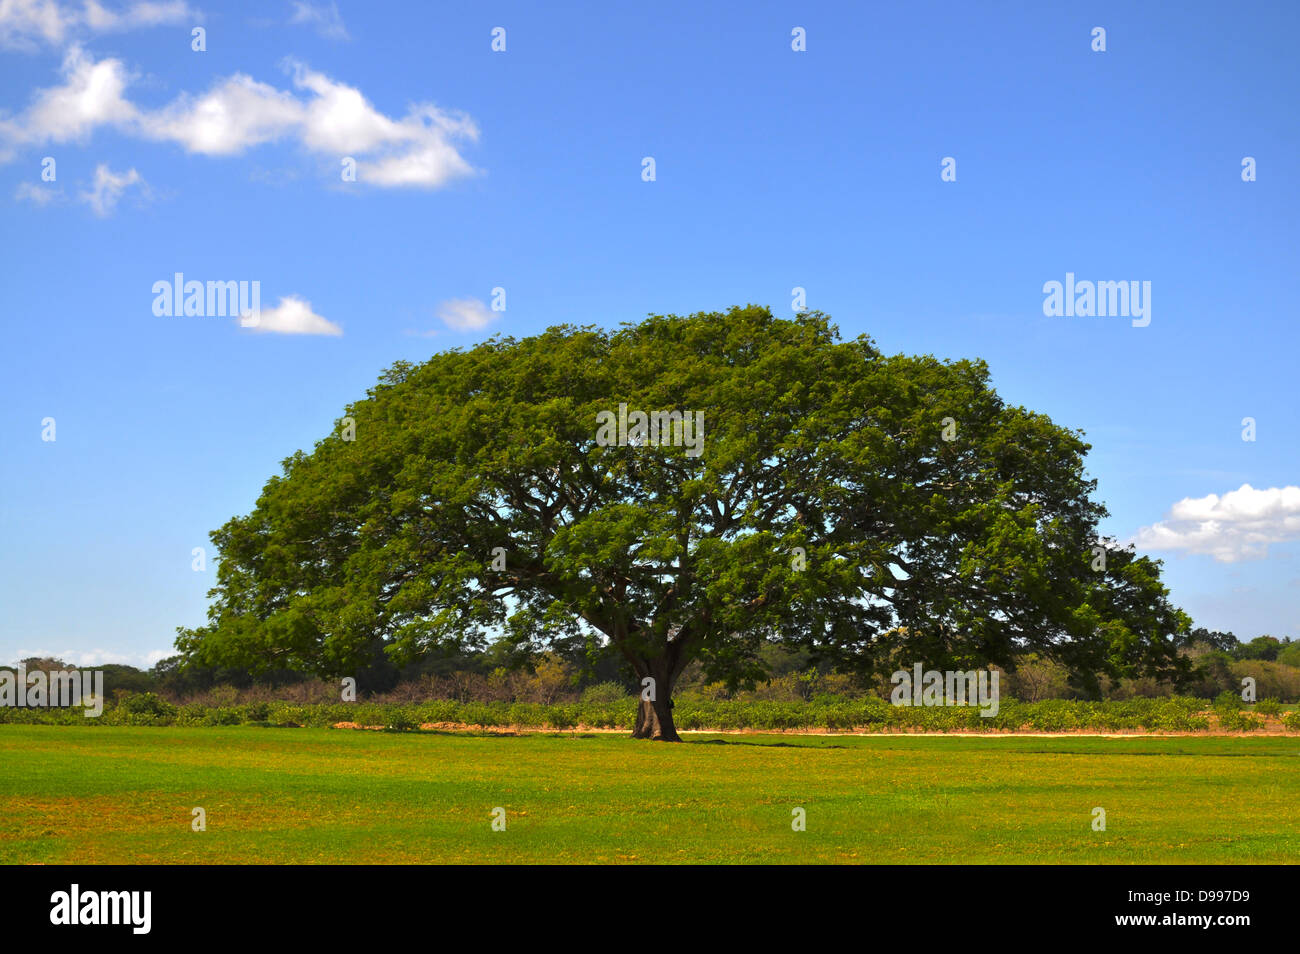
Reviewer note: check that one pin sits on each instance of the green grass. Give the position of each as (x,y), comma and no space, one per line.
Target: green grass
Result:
(124,795)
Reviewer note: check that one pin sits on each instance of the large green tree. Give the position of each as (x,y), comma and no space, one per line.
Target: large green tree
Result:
(874,509)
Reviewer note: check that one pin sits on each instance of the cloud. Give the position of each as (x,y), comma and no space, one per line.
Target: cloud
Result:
(22,22)
(102,195)
(428,167)
(40,195)
(143,13)
(1240,525)
(292,316)
(239,112)
(90,96)
(95,657)
(27,24)
(465,314)
(324,17)
(108,188)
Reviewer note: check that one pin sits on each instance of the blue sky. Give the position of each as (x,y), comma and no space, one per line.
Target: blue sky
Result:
(522,170)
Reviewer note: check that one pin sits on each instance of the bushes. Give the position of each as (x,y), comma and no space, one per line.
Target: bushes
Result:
(190,715)
(223,715)
(1239,721)
(1228,700)
(146,703)
(1175,718)
(143,708)
(1054,716)
(1268,707)
(695,711)
(400,719)
(562,716)
(441,710)
(603,693)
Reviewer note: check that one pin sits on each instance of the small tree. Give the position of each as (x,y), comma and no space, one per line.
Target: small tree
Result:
(552,677)
(1036,678)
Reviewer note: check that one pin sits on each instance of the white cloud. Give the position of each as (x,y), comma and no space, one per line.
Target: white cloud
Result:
(39,194)
(339,119)
(1240,525)
(143,13)
(324,17)
(292,316)
(427,167)
(24,21)
(90,96)
(239,112)
(465,314)
(95,657)
(26,24)
(108,188)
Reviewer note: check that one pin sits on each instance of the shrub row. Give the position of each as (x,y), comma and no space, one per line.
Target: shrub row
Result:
(1176,714)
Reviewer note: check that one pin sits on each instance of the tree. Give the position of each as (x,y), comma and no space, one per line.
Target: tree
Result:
(1213,674)
(126,678)
(46,664)
(861,506)
(1224,642)
(1036,679)
(1261,647)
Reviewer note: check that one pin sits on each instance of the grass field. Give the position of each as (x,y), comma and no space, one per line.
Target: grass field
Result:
(124,795)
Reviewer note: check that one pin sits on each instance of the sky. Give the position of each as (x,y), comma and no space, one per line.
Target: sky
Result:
(381,169)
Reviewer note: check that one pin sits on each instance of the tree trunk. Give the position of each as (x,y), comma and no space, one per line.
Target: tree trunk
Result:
(658,675)
(654,720)
(654,716)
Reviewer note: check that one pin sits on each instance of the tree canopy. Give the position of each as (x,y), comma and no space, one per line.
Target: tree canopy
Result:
(871,508)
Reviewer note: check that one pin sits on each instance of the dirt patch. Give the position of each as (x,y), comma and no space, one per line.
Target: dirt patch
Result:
(471,727)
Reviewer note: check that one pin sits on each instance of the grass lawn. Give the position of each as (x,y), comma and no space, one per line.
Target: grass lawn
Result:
(124,795)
